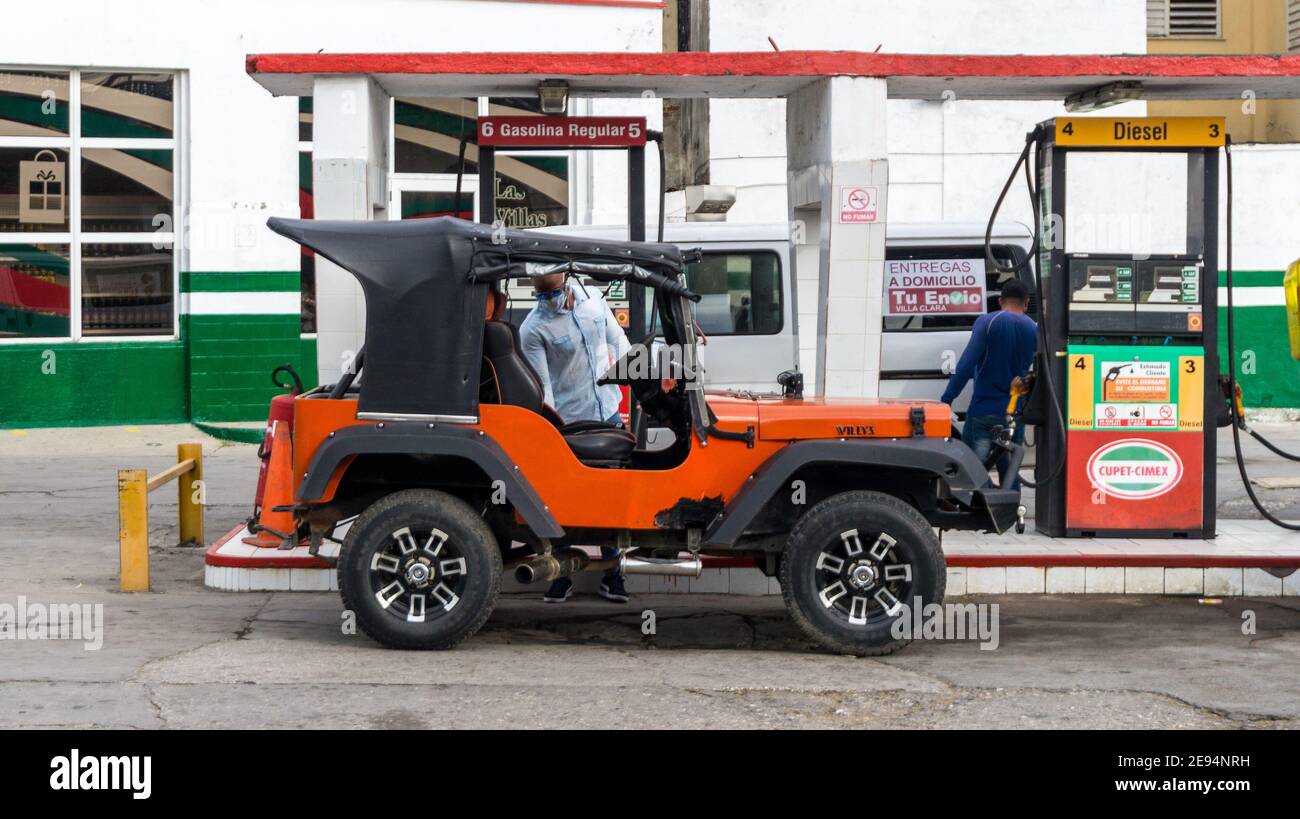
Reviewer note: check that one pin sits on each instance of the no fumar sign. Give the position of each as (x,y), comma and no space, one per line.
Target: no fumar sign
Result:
(858,205)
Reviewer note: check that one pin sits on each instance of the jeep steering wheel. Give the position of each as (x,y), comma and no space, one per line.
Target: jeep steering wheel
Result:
(647,389)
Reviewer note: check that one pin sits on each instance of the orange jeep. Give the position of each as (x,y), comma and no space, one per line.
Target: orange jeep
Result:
(438,454)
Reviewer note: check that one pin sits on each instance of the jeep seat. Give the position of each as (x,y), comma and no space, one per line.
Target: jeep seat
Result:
(509,379)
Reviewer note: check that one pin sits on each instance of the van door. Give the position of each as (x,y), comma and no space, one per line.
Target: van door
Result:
(920,350)
(746,312)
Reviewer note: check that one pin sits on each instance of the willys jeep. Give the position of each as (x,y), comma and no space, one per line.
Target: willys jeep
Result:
(438,456)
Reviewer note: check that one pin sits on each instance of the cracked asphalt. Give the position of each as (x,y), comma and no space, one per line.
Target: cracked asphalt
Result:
(185,657)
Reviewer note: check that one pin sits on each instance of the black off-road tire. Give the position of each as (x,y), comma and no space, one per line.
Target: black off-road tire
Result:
(475,582)
(807,578)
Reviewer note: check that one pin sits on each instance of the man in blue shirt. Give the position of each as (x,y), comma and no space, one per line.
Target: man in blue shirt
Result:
(1001,349)
(571,338)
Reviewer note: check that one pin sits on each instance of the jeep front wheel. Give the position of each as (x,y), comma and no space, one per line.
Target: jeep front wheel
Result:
(420,569)
(851,564)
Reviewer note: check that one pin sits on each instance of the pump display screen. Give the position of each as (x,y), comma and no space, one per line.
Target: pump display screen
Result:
(1165,283)
(1101,282)
(1123,295)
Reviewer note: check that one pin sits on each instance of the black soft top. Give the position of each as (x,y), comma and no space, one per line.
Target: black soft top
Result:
(425,283)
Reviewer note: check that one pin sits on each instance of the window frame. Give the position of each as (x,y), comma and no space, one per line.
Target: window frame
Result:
(74,238)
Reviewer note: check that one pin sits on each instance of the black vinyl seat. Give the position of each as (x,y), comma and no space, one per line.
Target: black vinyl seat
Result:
(508,378)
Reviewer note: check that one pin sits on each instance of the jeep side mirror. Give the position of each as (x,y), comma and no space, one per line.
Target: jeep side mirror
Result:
(791,382)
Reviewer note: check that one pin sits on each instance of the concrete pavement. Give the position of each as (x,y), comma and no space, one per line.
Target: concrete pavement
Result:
(183,656)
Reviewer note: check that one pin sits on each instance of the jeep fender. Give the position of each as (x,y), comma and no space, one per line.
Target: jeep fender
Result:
(416,438)
(948,460)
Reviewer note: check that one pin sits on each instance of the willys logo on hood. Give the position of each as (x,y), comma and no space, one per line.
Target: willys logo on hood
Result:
(1135,469)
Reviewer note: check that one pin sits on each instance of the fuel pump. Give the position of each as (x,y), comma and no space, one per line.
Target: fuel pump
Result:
(1133,345)
(1127,359)
(1127,390)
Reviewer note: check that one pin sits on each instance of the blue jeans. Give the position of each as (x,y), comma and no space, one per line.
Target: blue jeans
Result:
(609,552)
(977,433)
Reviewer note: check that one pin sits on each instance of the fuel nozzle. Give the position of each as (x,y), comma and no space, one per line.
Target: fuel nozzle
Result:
(1020,387)
(1232,396)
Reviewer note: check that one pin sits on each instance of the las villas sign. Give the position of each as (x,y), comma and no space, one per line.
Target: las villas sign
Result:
(1135,469)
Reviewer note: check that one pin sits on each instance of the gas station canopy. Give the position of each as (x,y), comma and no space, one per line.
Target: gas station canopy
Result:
(780,73)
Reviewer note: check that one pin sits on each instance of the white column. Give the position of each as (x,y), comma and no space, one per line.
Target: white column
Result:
(838,175)
(350,138)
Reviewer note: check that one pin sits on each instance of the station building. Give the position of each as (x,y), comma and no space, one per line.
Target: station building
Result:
(139,163)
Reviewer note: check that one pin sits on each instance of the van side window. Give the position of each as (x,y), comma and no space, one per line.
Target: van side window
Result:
(1006,255)
(740,290)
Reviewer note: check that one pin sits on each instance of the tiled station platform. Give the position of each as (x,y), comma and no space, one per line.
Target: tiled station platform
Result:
(1248,557)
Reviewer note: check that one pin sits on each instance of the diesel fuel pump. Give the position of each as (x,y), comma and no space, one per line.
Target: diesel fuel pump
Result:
(1127,373)
(1133,341)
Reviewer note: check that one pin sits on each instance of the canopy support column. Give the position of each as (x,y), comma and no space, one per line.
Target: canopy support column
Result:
(838,178)
(350,136)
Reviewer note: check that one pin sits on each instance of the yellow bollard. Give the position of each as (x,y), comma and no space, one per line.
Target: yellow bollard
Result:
(190,491)
(133,530)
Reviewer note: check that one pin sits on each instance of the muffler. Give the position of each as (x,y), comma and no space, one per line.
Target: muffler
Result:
(672,566)
(545,568)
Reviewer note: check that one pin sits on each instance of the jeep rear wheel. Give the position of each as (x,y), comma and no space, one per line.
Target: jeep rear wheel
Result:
(851,564)
(420,569)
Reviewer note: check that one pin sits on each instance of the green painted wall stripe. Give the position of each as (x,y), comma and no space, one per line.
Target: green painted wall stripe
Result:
(93,384)
(1268,376)
(1252,278)
(231,359)
(274,281)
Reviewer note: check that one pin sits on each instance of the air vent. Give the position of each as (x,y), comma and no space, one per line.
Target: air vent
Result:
(1293,25)
(1193,18)
(1197,19)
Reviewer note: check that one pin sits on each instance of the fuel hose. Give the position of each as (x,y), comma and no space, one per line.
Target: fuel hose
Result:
(1237,420)
(1030,263)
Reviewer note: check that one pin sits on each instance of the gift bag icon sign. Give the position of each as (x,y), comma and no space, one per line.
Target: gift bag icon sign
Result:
(42,189)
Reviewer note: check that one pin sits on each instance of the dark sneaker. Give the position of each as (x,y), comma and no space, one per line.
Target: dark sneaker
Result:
(560,590)
(611,588)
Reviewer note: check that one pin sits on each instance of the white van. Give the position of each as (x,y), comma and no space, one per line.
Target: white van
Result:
(749,307)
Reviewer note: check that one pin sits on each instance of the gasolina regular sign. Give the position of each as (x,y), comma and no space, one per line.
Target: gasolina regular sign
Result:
(936,287)
(561,132)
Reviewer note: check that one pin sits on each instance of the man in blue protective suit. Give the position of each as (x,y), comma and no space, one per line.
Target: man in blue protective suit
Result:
(1000,349)
(571,338)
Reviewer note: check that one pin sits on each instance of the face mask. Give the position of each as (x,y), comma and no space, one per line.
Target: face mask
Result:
(552,302)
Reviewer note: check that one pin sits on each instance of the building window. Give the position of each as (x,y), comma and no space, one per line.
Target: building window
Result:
(87,204)
(306,256)
(1293,26)
(532,187)
(1193,19)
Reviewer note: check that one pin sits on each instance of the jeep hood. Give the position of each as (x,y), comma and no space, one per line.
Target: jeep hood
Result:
(802,419)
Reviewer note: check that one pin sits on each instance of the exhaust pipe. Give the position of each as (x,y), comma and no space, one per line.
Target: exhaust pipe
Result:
(676,567)
(545,568)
